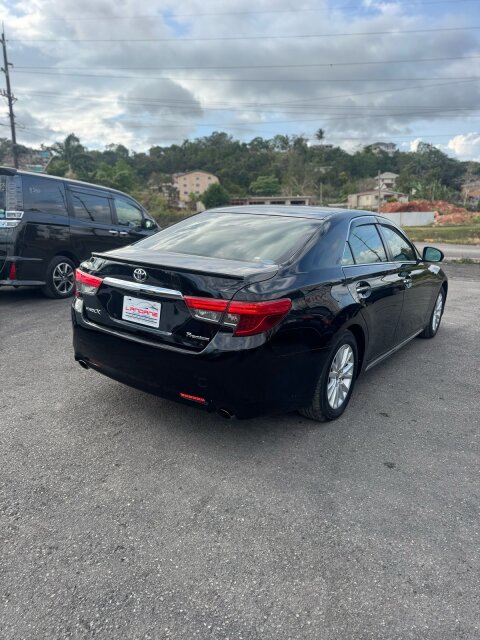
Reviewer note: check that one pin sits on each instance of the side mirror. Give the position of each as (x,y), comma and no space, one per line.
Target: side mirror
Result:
(430,254)
(149,224)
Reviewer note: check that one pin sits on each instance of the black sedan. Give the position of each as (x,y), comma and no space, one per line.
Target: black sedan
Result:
(255,310)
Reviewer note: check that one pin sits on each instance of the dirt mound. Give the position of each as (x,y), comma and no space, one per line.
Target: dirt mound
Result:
(445,212)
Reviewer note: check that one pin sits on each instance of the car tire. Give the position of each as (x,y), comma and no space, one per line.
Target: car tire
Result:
(60,278)
(433,325)
(342,359)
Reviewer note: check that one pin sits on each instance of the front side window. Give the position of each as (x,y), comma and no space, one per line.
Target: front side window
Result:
(93,208)
(401,250)
(127,213)
(45,195)
(235,236)
(366,245)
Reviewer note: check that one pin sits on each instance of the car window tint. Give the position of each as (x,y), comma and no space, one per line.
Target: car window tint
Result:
(400,249)
(235,236)
(347,257)
(127,213)
(11,194)
(44,194)
(91,207)
(366,244)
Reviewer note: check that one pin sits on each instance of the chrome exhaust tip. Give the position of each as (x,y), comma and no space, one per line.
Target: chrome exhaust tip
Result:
(225,413)
(83,364)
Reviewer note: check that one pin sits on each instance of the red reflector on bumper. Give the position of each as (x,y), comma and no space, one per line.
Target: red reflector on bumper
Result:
(13,272)
(187,396)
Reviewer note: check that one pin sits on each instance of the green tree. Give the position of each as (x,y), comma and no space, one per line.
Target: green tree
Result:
(215,196)
(72,152)
(265,186)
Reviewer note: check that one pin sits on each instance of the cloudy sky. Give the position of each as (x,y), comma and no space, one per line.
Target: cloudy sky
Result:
(157,72)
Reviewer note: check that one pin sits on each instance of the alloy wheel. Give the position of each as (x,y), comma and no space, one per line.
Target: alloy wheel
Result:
(63,278)
(437,312)
(340,376)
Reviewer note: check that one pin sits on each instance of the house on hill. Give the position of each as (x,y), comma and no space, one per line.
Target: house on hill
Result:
(370,199)
(196,182)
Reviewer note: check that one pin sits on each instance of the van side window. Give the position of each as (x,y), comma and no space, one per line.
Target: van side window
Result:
(93,208)
(127,213)
(45,195)
(366,245)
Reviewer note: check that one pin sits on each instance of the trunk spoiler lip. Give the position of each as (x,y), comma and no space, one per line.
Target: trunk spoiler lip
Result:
(220,267)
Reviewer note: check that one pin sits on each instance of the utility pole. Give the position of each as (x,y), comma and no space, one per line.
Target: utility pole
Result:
(10,99)
(379,191)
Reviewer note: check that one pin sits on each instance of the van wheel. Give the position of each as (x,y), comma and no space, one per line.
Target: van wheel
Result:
(335,383)
(60,280)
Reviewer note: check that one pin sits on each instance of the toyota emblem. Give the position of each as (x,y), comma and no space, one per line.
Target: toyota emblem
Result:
(140,275)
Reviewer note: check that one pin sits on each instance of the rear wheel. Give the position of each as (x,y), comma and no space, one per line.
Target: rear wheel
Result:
(433,325)
(60,278)
(336,381)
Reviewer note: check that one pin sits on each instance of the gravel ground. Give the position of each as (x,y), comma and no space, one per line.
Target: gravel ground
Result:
(126,516)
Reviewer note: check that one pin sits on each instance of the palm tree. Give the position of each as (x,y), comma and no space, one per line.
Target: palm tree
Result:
(70,151)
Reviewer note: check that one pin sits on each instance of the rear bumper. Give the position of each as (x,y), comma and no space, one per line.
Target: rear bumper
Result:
(28,270)
(21,283)
(247,383)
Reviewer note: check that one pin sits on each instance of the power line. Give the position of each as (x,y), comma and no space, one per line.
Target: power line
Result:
(344,137)
(244,13)
(263,37)
(311,109)
(255,66)
(309,100)
(263,80)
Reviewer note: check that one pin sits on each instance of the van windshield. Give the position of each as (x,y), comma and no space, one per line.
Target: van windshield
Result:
(235,236)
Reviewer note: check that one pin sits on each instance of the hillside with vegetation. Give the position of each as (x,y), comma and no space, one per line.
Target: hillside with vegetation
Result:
(282,165)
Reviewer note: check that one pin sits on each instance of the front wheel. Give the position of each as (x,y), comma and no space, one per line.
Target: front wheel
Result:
(60,278)
(433,325)
(336,381)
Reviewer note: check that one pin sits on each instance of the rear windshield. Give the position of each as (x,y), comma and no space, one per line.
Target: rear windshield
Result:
(235,236)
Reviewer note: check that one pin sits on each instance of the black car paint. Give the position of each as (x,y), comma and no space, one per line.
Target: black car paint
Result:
(42,235)
(275,371)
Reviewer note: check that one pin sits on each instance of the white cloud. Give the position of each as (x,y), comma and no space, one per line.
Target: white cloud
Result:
(414,144)
(352,103)
(466,146)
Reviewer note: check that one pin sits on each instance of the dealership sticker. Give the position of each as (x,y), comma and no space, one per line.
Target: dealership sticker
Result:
(141,311)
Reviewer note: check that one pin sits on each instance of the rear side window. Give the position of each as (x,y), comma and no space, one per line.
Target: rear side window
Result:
(45,195)
(366,245)
(91,207)
(400,249)
(11,195)
(127,213)
(235,236)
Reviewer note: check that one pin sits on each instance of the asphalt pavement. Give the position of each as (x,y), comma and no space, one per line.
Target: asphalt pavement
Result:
(126,516)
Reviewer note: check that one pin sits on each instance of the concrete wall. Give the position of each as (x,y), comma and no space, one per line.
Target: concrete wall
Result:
(411,218)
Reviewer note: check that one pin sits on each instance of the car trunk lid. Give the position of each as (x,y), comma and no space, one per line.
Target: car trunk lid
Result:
(143,293)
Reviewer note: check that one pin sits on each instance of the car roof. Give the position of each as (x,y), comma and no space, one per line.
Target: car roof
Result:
(296,211)
(9,171)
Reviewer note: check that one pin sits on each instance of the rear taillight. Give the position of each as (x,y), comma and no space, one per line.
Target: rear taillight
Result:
(250,318)
(206,308)
(86,284)
(13,272)
(247,318)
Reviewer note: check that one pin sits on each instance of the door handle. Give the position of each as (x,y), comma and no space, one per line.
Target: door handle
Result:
(124,233)
(407,279)
(113,232)
(363,290)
